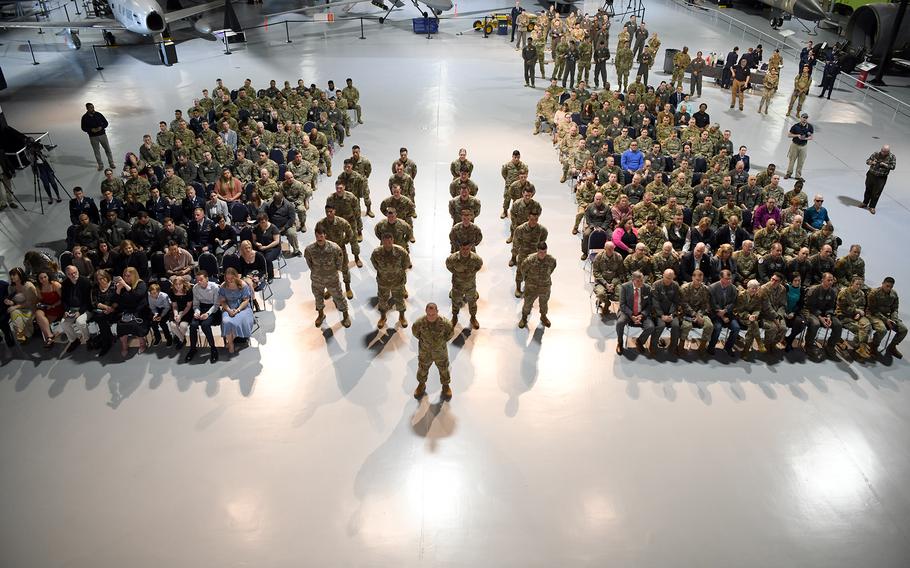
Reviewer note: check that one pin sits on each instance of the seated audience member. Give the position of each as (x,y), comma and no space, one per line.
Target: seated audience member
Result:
(133,305)
(228,188)
(635,310)
(748,312)
(253,266)
(237,313)
(267,240)
(131,257)
(181,308)
(625,238)
(105,257)
(205,315)
(223,237)
(160,309)
(695,311)
(177,261)
(215,207)
(50,306)
(199,231)
(765,212)
(20,305)
(723,305)
(76,294)
(104,311)
(816,216)
(794,309)
(82,262)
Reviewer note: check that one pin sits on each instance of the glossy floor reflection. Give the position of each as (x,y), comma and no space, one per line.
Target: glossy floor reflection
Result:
(308,450)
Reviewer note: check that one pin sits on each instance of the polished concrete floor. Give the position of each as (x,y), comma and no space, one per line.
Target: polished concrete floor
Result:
(307,449)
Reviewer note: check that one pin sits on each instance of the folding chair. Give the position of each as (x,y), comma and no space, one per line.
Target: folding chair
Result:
(209,263)
(276,156)
(282,168)
(292,153)
(66,259)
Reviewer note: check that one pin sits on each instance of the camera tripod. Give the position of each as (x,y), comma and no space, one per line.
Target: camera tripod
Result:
(36,177)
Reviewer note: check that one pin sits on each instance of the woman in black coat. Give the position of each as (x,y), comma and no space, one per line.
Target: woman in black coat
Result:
(133,305)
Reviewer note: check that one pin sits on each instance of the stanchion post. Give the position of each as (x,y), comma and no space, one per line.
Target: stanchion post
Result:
(67,12)
(40,31)
(227,48)
(76,2)
(361,29)
(286,32)
(98,65)
(32,51)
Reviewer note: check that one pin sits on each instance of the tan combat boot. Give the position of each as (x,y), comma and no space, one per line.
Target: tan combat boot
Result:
(348,293)
(476,325)
(420,390)
(320,317)
(381,323)
(401,320)
(346,319)
(545,321)
(446,393)
(454,318)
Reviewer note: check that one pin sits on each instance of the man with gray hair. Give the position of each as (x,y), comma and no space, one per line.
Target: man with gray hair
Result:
(880,165)
(635,310)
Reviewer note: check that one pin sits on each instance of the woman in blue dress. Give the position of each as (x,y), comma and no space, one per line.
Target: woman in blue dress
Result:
(237,316)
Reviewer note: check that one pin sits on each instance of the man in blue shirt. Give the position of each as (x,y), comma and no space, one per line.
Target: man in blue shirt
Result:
(800,134)
(632,159)
(816,216)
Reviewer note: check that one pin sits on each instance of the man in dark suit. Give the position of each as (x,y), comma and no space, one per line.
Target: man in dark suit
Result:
(731,234)
(696,259)
(635,310)
(81,204)
(76,298)
(740,157)
(723,300)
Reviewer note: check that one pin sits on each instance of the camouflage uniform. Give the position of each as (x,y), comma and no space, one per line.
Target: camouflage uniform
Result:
(884,307)
(520,212)
(695,302)
(746,305)
(324,262)
(407,185)
(299,194)
(341,233)
(403,206)
(800,89)
(391,276)
(462,233)
(348,208)
(680,62)
(773,313)
(746,267)
(623,63)
(769,90)
(509,172)
(641,263)
(846,268)
(138,186)
(524,244)
(456,205)
(536,273)
(464,281)
(608,270)
(432,347)
(357,185)
(849,303)
(400,231)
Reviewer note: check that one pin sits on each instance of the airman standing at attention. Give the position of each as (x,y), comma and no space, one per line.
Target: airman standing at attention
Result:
(400,203)
(361,165)
(800,89)
(391,263)
(406,183)
(433,333)
(462,180)
(536,271)
(324,259)
(540,42)
(772,79)
(585,52)
(341,233)
(464,200)
(410,167)
(527,236)
(464,266)
(559,58)
(358,185)
(680,62)
(601,55)
(510,171)
(392,225)
(623,63)
(463,163)
(465,232)
(347,207)
(529,57)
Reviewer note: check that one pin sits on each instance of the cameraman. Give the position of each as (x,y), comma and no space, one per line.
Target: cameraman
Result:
(880,165)
(44,170)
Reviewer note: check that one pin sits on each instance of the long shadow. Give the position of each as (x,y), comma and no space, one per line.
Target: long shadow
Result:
(518,381)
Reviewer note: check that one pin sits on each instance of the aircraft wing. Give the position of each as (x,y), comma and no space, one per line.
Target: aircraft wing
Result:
(192,11)
(318,6)
(93,23)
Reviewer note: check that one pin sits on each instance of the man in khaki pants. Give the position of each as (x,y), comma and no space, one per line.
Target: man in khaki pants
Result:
(741,76)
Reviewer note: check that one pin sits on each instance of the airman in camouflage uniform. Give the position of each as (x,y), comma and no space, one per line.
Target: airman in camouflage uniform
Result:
(585,52)
(303,171)
(520,211)
(851,311)
(410,167)
(464,266)
(536,270)
(324,259)
(680,62)
(463,201)
(465,232)
(746,264)
(358,185)
(794,237)
(770,84)
(462,180)
(774,311)
(849,266)
(546,108)
(540,42)
(695,309)
(800,89)
(641,262)
(510,171)
(340,232)
(348,208)
(609,273)
(137,185)
(405,181)
(652,236)
(299,195)
(352,95)
(748,312)
(402,204)
(884,314)
(400,231)
(463,163)
(527,236)
(623,63)
(433,333)
(391,263)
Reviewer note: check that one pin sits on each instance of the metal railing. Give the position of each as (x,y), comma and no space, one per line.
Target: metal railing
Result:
(287,31)
(868,91)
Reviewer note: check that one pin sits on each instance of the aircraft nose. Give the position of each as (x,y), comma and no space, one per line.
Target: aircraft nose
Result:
(808,10)
(154,22)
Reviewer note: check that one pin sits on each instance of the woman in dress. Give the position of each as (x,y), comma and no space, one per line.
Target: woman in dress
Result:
(252,265)
(20,305)
(237,317)
(227,187)
(50,306)
(133,304)
(182,306)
